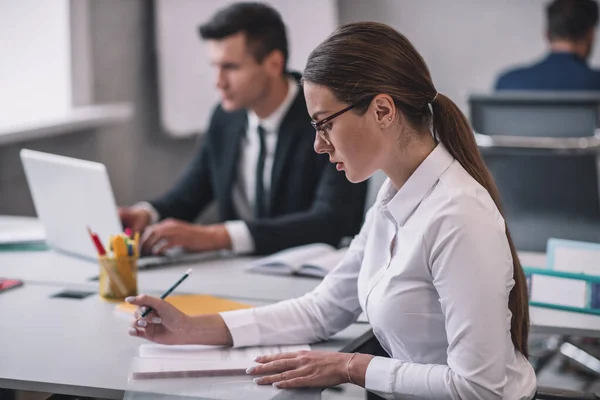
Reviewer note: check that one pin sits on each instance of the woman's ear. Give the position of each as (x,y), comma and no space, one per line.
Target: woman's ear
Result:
(384,109)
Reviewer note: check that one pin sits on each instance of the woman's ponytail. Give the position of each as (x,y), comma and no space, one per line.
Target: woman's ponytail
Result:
(454,131)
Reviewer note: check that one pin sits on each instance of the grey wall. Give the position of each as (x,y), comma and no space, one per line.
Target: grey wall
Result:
(465,43)
(141,160)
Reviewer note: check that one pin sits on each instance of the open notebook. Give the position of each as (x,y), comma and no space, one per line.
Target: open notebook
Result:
(161,361)
(315,260)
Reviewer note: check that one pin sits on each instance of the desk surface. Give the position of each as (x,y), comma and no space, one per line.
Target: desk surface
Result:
(220,277)
(81,347)
(55,334)
(227,277)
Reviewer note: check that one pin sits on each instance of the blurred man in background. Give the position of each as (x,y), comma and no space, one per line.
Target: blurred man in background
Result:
(257,159)
(571,30)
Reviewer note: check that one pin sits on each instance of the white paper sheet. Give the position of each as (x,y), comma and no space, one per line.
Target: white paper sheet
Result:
(559,291)
(577,260)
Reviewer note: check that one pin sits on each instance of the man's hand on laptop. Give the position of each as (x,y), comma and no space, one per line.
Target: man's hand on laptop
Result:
(135,218)
(171,233)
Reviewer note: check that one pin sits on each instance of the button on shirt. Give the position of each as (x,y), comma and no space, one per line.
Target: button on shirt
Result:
(432,270)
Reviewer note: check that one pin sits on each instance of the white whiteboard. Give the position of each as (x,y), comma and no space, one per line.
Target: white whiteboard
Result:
(187,92)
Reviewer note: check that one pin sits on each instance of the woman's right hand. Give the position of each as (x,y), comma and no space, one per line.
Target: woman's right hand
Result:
(165,324)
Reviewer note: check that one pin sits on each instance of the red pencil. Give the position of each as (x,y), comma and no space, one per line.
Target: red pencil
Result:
(97,242)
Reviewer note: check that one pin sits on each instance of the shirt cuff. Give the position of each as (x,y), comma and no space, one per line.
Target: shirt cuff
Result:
(243,326)
(380,376)
(241,239)
(154,215)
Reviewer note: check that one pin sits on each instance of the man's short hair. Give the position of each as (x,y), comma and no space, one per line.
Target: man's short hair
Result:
(571,19)
(262,24)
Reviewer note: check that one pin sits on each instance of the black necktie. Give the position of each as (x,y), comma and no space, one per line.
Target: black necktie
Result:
(259,204)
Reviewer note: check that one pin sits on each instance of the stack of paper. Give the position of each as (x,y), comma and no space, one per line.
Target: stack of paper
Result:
(21,234)
(160,361)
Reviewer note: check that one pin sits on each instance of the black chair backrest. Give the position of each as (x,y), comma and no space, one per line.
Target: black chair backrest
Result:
(544,193)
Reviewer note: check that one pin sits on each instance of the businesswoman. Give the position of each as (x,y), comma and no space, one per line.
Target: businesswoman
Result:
(433,268)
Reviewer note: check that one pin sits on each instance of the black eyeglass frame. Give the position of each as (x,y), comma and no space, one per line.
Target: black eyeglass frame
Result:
(319,124)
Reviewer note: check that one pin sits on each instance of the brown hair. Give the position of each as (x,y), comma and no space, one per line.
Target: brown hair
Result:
(359,61)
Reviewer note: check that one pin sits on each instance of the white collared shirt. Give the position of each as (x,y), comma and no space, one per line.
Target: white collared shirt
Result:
(432,270)
(244,187)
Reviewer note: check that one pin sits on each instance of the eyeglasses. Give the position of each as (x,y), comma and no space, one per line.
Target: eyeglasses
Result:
(319,125)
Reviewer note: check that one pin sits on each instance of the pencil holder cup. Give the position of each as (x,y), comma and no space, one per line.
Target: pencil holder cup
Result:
(118,277)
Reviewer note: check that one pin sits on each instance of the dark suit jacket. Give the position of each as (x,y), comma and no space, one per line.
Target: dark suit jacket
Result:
(558,71)
(310,201)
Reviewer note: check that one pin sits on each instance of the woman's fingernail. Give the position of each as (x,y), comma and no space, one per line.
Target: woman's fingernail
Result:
(143,309)
(250,370)
(130,299)
(133,331)
(276,384)
(257,358)
(141,322)
(156,320)
(256,380)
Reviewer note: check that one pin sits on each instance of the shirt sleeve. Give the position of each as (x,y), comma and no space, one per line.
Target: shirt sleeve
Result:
(472,271)
(329,308)
(241,238)
(154,215)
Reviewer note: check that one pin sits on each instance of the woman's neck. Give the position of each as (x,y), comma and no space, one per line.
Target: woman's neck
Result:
(403,161)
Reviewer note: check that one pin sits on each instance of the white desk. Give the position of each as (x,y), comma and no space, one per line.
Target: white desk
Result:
(82,348)
(56,340)
(227,277)
(220,277)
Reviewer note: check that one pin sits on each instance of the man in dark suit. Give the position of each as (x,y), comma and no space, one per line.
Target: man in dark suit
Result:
(256,160)
(571,31)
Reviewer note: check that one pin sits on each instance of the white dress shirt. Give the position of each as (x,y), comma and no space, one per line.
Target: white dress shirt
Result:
(244,187)
(432,270)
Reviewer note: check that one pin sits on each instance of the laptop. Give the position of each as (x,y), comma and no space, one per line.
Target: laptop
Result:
(69,195)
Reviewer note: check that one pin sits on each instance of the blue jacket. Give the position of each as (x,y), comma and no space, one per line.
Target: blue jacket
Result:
(558,71)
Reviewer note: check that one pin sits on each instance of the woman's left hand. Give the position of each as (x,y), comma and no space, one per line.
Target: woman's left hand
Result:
(302,369)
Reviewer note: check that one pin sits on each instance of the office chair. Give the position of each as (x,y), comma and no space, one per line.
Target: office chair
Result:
(541,149)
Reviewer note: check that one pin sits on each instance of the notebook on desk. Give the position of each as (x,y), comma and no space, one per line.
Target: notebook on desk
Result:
(314,260)
(16,231)
(198,304)
(157,361)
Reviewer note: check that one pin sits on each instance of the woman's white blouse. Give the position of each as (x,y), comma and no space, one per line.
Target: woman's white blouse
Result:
(432,270)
